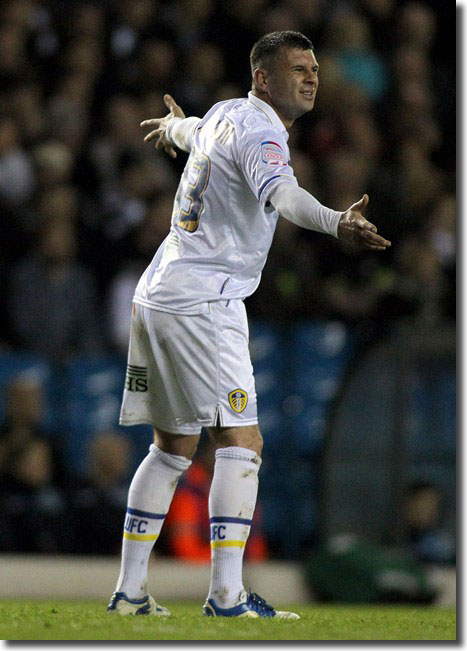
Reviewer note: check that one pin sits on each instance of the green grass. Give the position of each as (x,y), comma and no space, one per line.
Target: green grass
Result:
(66,620)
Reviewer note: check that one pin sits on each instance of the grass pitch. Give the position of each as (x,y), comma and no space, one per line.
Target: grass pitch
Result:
(87,620)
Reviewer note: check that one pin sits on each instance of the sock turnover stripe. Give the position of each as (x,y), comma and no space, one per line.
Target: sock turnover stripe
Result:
(146,514)
(140,536)
(215,544)
(217,519)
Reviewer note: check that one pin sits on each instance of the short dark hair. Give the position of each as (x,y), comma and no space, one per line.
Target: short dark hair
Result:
(267,47)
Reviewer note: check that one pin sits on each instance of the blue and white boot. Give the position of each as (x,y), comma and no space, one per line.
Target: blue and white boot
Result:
(251,605)
(121,604)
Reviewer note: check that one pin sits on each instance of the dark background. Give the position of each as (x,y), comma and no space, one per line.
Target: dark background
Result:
(84,205)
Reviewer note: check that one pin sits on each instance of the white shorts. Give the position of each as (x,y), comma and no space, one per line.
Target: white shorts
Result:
(186,372)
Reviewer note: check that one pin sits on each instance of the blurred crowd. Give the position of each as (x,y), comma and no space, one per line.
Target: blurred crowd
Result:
(85,203)
(48,507)
(45,506)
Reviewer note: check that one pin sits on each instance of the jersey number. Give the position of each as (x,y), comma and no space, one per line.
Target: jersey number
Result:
(191,190)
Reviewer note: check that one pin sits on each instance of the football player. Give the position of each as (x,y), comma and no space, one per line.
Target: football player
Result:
(188,364)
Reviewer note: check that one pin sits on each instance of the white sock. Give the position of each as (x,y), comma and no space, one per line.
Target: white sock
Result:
(232,503)
(149,498)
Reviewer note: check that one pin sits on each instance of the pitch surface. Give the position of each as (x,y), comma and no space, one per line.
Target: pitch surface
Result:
(67,620)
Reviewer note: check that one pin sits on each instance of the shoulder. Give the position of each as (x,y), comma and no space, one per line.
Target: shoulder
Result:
(254,126)
(246,118)
(260,136)
(220,109)
(251,119)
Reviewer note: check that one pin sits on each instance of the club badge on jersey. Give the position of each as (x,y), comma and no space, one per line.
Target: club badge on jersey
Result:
(238,400)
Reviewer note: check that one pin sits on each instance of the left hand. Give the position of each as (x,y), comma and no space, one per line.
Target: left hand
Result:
(353,227)
(161,126)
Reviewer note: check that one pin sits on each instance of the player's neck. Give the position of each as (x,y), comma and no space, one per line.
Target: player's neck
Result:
(287,122)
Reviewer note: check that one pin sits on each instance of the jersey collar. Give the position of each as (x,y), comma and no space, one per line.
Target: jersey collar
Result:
(268,110)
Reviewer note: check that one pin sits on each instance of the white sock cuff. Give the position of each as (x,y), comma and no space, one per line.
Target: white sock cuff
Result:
(242,454)
(173,460)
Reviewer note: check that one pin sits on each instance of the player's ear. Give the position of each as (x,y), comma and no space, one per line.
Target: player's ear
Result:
(260,79)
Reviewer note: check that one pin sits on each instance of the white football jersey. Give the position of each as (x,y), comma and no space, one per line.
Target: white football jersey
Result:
(222,222)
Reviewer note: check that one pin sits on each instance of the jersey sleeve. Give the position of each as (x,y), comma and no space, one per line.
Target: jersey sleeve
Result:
(264,159)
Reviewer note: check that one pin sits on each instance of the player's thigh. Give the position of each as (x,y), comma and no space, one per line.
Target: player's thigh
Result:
(153,393)
(248,437)
(211,363)
(202,374)
(185,352)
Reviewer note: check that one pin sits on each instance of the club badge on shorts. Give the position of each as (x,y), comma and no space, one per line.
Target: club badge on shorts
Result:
(238,400)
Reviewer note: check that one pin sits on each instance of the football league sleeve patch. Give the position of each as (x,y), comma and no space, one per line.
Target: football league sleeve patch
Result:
(273,154)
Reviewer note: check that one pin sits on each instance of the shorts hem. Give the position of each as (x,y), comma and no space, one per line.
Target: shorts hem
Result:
(243,423)
(171,429)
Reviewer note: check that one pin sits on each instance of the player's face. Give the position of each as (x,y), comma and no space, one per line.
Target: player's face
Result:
(293,83)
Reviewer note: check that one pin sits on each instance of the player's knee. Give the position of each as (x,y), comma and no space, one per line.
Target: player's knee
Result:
(179,444)
(259,444)
(257,441)
(244,437)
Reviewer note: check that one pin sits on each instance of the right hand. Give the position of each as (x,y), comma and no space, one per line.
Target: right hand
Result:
(158,134)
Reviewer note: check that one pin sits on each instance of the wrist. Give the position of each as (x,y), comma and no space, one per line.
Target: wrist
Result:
(169,128)
(339,226)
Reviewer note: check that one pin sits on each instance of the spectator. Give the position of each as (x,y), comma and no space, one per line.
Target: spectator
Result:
(54,163)
(291,284)
(346,174)
(442,236)
(87,20)
(420,279)
(27,417)
(147,237)
(16,171)
(68,118)
(52,297)
(426,535)
(33,506)
(417,25)
(25,101)
(241,17)
(156,65)
(24,414)
(131,23)
(189,20)
(348,36)
(101,495)
(280,18)
(205,67)
(13,64)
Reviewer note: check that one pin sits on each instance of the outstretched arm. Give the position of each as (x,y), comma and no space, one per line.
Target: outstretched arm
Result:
(300,207)
(173,130)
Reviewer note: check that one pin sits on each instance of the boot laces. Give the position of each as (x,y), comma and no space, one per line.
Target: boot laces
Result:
(259,604)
